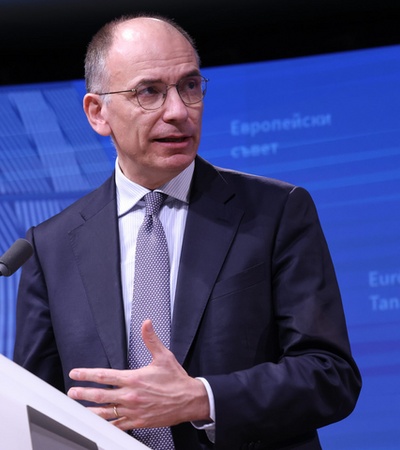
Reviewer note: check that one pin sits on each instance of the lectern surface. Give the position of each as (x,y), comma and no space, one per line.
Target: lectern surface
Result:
(37,416)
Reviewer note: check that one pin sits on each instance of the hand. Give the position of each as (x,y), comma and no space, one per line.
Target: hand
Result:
(160,394)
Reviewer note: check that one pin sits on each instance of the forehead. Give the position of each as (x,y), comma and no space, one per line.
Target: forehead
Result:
(142,47)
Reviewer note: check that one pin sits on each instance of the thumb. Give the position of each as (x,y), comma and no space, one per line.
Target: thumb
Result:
(151,340)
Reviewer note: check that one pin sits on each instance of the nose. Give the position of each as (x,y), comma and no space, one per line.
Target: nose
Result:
(173,108)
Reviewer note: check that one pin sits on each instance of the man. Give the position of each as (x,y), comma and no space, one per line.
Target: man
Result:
(256,311)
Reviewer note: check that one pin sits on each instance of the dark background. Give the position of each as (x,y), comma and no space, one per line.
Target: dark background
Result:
(45,40)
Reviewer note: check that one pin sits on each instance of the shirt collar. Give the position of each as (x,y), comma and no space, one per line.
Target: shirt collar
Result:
(129,193)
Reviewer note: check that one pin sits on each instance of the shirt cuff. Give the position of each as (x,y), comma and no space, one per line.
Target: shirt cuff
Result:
(207,426)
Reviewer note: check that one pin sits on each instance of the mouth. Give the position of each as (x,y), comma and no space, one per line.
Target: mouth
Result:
(173,139)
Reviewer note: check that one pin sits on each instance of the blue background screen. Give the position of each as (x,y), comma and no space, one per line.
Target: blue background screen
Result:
(329,123)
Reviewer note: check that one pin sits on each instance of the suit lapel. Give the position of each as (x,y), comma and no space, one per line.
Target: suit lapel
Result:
(96,248)
(211,225)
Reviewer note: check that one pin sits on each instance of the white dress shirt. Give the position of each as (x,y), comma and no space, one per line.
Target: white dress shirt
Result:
(131,211)
(173,214)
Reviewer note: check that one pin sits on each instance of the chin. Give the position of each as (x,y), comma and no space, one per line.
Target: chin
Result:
(179,160)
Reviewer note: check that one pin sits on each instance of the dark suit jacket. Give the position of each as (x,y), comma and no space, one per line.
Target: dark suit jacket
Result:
(257,308)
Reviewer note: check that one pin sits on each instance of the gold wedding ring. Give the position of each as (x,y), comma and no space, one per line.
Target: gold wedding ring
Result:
(116,412)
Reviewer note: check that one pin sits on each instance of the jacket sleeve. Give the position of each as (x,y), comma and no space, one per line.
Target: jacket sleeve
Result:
(314,380)
(35,345)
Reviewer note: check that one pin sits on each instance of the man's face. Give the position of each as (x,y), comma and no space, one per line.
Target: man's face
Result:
(153,146)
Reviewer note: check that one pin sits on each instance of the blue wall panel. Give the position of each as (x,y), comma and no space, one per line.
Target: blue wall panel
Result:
(329,123)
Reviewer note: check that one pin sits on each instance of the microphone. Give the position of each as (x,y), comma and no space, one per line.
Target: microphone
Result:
(15,256)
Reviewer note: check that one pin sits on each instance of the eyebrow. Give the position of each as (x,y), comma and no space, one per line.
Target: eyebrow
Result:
(159,80)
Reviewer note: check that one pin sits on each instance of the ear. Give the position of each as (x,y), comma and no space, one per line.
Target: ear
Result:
(93,107)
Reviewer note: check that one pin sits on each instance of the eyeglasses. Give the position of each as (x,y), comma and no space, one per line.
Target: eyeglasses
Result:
(152,95)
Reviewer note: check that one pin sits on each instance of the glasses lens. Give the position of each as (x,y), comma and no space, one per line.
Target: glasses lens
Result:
(150,96)
(192,89)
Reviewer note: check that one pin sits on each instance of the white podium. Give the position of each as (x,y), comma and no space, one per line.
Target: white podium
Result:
(36,416)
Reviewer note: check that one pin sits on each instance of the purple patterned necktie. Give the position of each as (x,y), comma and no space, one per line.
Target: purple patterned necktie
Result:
(151,300)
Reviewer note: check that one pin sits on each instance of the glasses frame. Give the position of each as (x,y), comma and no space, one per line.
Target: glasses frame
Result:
(167,87)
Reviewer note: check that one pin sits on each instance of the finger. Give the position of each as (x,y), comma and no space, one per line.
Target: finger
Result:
(101,376)
(93,395)
(108,412)
(151,340)
(124,423)
(115,414)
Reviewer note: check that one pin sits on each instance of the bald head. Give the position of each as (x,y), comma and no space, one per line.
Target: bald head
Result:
(138,30)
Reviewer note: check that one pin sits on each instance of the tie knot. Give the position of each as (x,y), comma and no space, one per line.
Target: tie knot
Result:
(153,202)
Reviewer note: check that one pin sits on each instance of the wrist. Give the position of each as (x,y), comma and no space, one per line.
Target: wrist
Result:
(200,402)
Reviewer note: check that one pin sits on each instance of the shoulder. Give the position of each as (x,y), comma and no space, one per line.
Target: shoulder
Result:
(247,184)
(258,196)
(86,206)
